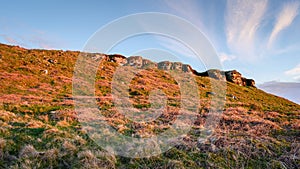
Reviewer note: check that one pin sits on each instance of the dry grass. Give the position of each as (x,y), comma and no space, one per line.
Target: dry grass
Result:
(96,159)
(28,151)
(6,115)
(63,123)
(35,124)
(69,146)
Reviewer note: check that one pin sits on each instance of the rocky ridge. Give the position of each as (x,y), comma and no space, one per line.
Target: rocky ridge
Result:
(139,62)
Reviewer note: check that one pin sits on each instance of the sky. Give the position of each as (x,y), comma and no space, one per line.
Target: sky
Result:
(259,38)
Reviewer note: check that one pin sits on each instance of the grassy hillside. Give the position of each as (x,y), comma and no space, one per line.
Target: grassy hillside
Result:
(39,127)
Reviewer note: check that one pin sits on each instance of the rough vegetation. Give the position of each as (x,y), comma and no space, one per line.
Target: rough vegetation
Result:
(39,127)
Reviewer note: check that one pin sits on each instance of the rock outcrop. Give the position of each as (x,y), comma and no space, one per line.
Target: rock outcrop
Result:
(236,77)
(178,66)
(136,61)
(166,65)
(230,76)
(213,73)
(250,82)
(187,68)
(120,59)
(139,62)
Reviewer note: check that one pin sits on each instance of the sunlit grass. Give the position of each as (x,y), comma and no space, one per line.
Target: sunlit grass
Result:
(40,129)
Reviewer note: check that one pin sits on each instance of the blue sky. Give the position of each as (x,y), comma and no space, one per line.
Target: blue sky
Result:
(260,38)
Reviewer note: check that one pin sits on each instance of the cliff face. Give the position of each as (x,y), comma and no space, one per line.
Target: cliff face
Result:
(120,59)
(178,66)
(231,76)
(139,62)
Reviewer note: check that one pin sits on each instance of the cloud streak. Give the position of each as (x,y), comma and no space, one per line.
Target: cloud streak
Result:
(26,36)
(188,9)
(9,39)
(30,41)
(243,18)
(12,40)
(284,19)
(295,72)
(226,57)
(175,46)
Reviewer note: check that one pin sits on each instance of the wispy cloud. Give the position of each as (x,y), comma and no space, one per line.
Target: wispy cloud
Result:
(175,47)
(295,72)
(188,9)
(284,19)
(12,40)
(9,39)
(243,19)
(226,57)
(29,41)
(26,36)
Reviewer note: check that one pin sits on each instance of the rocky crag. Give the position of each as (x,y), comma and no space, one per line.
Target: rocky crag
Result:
(139,62)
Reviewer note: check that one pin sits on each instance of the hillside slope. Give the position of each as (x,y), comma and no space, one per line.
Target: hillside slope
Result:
(39,127)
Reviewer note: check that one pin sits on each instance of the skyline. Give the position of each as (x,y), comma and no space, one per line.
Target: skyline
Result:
(259,38)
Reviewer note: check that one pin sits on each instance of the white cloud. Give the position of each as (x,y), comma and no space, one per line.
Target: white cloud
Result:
(284,19)
(243,18)
(295,72)
(226,57)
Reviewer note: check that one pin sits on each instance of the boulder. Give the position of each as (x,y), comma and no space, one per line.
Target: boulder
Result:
(210,93)
(52,61)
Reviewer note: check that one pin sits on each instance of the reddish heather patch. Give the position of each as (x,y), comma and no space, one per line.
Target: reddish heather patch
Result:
(10,98)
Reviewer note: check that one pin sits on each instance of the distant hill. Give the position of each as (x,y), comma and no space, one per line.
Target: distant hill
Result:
(289,90)
(39,127)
